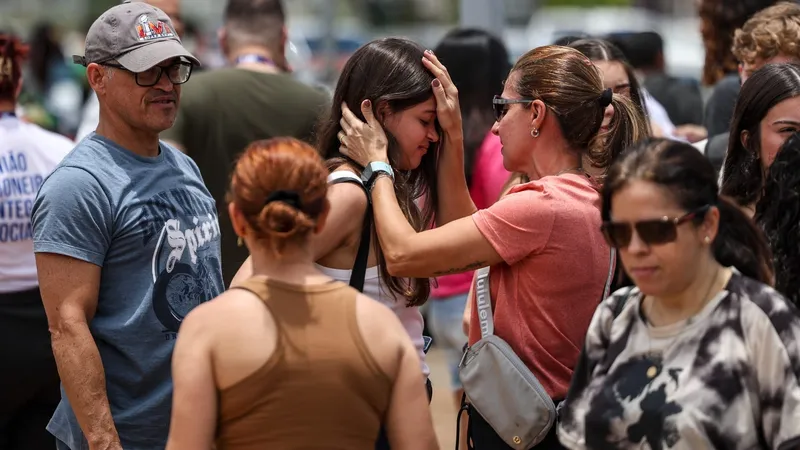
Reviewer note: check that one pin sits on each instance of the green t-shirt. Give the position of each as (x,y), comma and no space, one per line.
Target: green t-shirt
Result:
(222,112)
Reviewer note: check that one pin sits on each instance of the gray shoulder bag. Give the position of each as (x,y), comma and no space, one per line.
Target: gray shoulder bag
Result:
(500,386)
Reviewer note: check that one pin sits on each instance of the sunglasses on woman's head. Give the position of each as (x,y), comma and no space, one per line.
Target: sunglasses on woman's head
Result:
(500,105)
(651,232)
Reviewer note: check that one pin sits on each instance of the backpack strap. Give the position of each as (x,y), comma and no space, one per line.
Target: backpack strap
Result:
(362,256)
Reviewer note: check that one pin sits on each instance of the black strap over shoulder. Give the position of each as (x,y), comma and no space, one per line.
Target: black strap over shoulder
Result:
(362,256)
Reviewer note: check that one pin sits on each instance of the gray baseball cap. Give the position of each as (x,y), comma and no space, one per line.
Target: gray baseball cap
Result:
(137,35)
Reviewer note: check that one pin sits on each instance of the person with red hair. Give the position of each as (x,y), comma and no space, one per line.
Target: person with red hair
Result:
(28,153)
(290,357)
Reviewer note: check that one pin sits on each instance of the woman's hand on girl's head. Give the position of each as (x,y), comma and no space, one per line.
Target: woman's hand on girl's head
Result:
(448,111)
(362,142)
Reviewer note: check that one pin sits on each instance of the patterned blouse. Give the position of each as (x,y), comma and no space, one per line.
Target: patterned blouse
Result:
(726,378)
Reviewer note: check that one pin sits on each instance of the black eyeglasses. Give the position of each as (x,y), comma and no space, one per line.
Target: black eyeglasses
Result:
(177,73)
(500,105)
(651,232)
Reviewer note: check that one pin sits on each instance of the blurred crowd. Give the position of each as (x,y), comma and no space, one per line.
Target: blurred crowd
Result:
(604,251)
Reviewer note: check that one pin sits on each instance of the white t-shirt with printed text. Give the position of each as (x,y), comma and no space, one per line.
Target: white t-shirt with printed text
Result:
(28,153)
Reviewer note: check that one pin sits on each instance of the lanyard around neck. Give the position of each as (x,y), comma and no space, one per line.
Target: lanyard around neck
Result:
(254,59)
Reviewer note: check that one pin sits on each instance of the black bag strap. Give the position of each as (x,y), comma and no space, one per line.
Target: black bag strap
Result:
(362,256)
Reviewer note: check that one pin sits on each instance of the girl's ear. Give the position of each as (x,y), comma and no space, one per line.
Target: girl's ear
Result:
(382,112)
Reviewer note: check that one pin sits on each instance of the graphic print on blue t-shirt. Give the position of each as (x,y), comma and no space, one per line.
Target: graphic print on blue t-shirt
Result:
(181,267)
(18,186)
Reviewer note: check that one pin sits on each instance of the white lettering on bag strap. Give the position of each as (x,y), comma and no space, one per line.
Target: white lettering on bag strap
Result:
(483,299)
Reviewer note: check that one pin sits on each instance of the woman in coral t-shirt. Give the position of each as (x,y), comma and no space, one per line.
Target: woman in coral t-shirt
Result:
(543,242)
(478,63)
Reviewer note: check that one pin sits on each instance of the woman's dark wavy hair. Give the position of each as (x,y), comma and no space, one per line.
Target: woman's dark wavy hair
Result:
(691,180)
(719,19)
(602,50)
(478,63)
(742,178)
(388,72)
(778,215)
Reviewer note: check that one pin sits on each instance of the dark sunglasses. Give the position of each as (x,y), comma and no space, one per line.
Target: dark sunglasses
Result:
(177,73)
(500,105)
(651,232)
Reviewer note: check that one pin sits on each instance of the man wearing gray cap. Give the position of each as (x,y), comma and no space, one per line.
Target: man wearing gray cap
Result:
(126,239)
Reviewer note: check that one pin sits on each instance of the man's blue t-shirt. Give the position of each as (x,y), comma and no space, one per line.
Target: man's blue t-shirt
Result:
(151,225)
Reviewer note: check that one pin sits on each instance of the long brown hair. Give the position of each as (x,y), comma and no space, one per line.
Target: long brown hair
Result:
(571,86)
(13,54)
(389,72)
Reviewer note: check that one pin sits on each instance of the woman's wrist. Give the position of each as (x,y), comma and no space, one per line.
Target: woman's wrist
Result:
(454,135)
(377,180)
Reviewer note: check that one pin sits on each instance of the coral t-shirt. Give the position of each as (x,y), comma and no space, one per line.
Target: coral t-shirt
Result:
(488,178)
(556,265)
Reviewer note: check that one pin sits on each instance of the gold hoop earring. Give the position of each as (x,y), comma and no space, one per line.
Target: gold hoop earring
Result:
(535,133)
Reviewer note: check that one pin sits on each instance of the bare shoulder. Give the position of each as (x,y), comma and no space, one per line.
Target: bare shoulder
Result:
(383,334)
(380,315)
(349,194)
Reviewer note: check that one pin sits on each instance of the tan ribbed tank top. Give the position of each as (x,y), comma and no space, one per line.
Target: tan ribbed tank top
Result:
(320,389)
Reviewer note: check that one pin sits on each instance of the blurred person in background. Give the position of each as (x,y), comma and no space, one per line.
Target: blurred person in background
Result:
(548,117)
(681,98)
(619,76)
(53,81)
(767,113)
(29,381)
(478,63)
(770,36)
(255,98)
(778,215)
(126,240)
(617,73)
(719,20)
(91,109)
(291,358)
(702,352)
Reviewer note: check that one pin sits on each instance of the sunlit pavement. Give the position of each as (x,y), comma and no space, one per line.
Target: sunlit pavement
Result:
(443,407)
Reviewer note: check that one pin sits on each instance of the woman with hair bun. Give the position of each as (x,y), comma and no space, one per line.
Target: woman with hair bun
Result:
(291,358)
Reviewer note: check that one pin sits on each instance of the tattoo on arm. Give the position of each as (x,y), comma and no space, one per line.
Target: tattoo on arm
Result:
(468,267)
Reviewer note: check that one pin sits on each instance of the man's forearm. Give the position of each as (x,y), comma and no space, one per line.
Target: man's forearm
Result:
(81,372)
(454,199)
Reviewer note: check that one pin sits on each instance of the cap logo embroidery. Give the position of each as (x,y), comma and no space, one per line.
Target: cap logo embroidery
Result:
(148,29)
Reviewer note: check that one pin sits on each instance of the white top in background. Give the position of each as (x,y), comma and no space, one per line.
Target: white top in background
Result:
(410,317)
(28,154)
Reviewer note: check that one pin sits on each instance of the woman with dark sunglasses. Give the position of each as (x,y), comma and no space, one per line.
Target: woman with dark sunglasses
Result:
(549,263)
(702,352)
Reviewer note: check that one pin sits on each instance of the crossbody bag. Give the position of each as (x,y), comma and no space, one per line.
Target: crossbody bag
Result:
(498,384)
